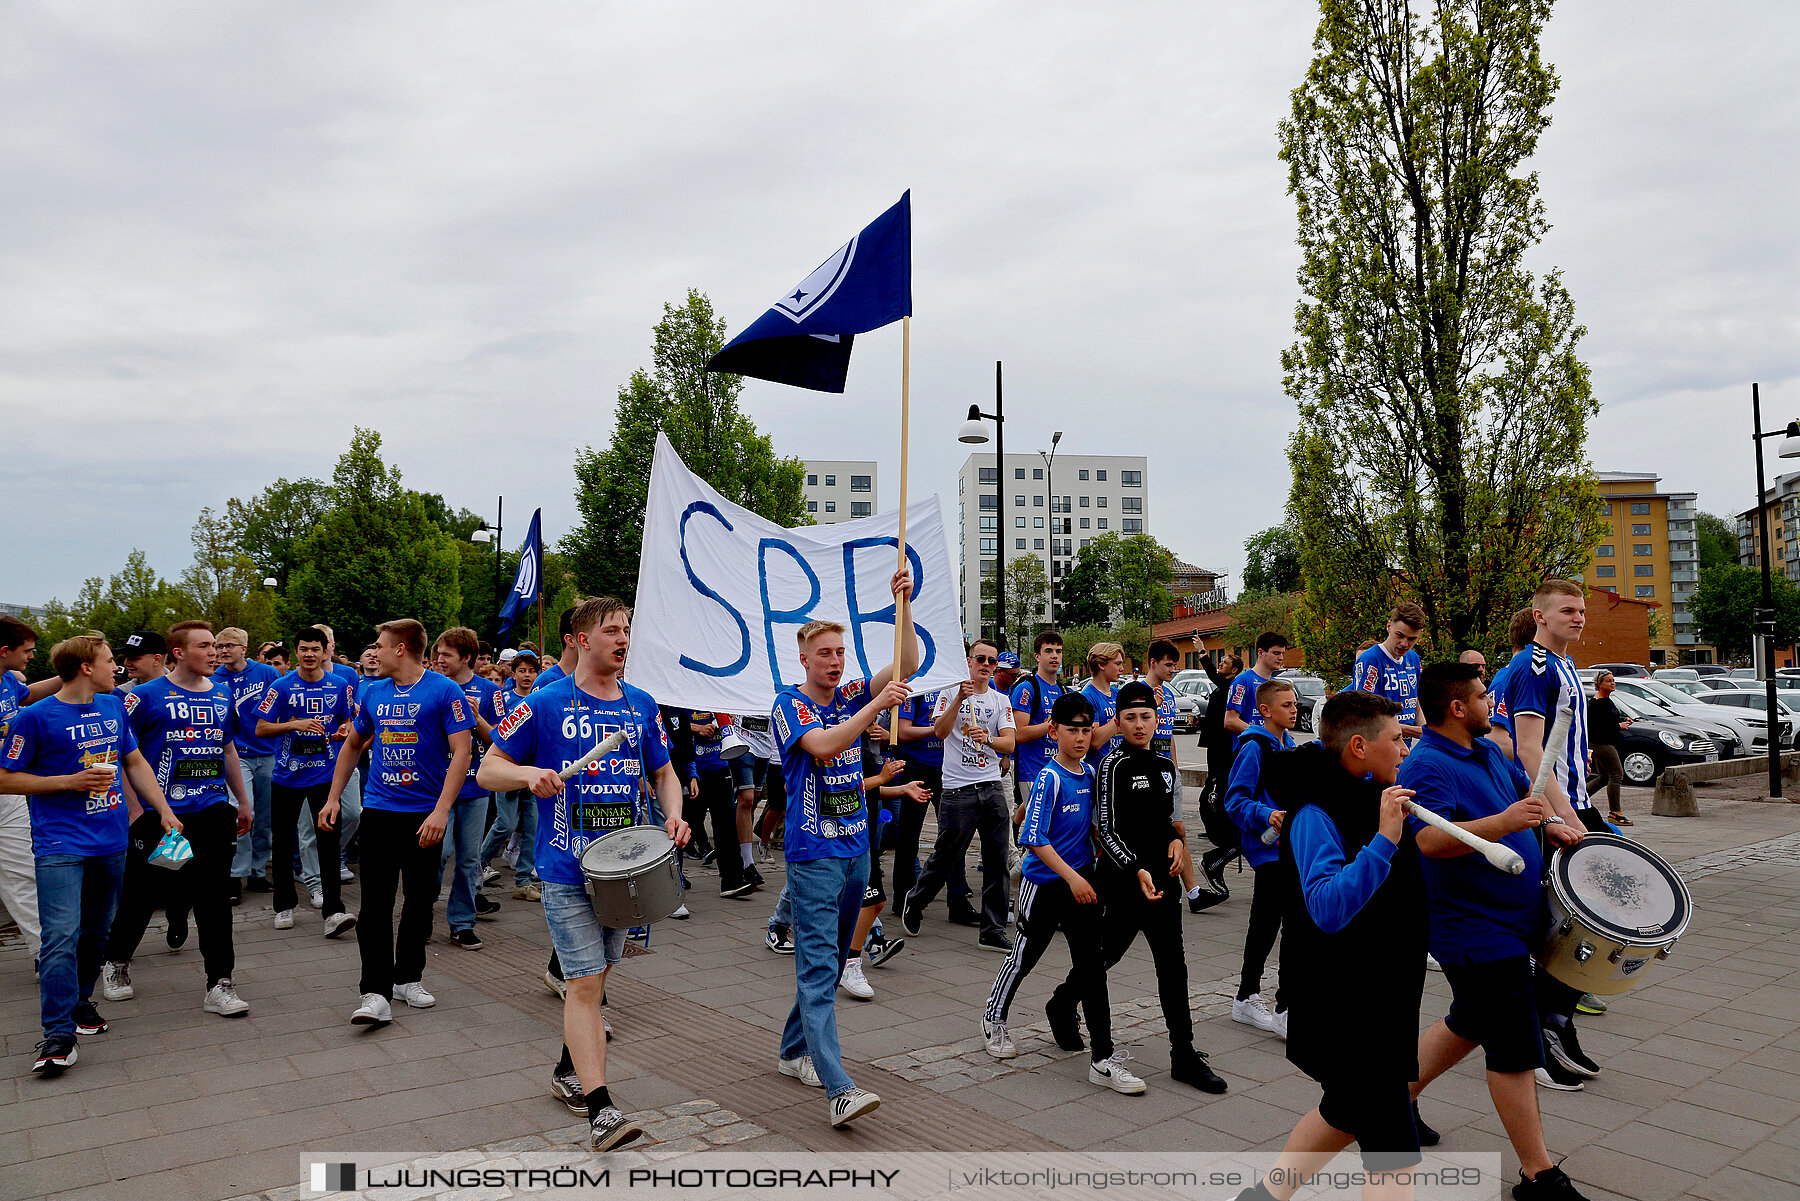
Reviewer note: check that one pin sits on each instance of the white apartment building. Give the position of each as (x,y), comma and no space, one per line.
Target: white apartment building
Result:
(839,489)
(1049,511)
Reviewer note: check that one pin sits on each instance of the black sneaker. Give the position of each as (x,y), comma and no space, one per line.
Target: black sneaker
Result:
(468,940)
(709,857)
(755,877)
(1065,1027)
(1205,900)
(1551,1183)
(609,1128)
(1212,865)
(566,1086)
(879,950)
(53,1055)
(962,915)
(1427,1136)
(780,940)
(743,889)
(259,884)
(88,1020)
(1190,1067)
(237,890)
(909,922)
(995,942)
(178,931)
(1551,1075)
(1561,1046)
(484,906)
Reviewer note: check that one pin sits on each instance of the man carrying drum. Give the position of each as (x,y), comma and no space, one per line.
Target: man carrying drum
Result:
(552,729)
(1484,922)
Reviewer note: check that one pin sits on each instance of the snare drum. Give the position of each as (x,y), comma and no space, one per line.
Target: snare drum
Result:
(1615,908)
(632,877)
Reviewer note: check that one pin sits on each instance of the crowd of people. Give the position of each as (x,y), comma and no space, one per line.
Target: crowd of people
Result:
(203,775)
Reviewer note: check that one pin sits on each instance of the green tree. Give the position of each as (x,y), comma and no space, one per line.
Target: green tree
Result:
(267,527)
(1081,596)
(1077,640)
(1725,603)
(1118,577)
(223,585)
(1257,613)
(698,410)
(1440,453)
(377,554)
(1027,586)
(1718,542)
(1272,560)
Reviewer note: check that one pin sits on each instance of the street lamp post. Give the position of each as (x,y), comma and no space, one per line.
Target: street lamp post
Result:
(1765,616)
(495,534)
(1049,458)
(974,432)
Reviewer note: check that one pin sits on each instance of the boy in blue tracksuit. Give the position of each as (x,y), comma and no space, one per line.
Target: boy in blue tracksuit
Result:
(1259,826)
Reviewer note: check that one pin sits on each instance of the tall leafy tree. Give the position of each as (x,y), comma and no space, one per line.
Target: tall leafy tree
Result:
(1081,598)
(1440,454)
(1724,608)
(1272,561)
(1718,541)
(267,527)
(699,412)
(1027,586)
(223,585)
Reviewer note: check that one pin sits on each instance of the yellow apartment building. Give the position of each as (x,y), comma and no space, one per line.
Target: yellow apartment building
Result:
(1649,551)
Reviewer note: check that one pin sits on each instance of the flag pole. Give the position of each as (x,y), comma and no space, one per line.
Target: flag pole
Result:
(902,604)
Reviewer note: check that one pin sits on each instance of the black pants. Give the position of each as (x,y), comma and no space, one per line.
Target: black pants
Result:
(1274,883)
(1043,910)
(286,815)
(718,797)
(965,812)
(204,886)
(392,858)
(903,834)
(1127,912)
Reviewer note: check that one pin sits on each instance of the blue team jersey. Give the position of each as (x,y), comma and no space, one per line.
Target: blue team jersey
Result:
(1059,815)
(12,699)
(482,702)
(55,738)
(184,735)
(346,672)
(506,700)
(1242,697)
(549,676)
(1102,701)
(1378,672)
(826,817)
(1164,742)
(1498,713)
(1539,682)
(707,755)
(929,750)
(247,688)
(556,726)
(1034,698)
(410,751)
(305,760)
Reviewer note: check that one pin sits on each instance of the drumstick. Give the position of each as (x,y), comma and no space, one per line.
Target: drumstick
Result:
(1559,740)
(1502,857)
(612,743)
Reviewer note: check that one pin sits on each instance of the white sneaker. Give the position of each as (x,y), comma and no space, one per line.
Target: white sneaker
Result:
(1113,1074)
(1431,963)
(337,923)
(374,1011)
(847,1107)
(800,1069)
(489,875)
(345,875)
(115,982)
(681,914)
(317,897)
(1252,1011)
(556,986)
(998,1045)
(284,920)
(853,981)
(414,994)
(223,1000)
(1280,1018)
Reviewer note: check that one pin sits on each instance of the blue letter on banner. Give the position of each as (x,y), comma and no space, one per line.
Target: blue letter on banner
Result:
(886,615)
(798,617)
(701,506)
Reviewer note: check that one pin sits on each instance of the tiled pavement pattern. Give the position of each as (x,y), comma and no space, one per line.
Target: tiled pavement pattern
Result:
(1700,1094)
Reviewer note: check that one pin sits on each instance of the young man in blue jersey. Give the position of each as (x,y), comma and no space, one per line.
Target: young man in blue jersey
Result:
(1105,664)
(456,651)
(516,812)
(552,729)
(1390,668)
(1485,923)
(186,725)
(256,756)
(66,753)
(1520,632)
(1032,699)
(819,725)
(18,872)
(349,805)
(418,725)
(1259,831)
(1240,698)
(1058,894)
(299,715)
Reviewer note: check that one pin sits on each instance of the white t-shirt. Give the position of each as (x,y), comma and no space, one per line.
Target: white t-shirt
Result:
(754,729)
(965,760)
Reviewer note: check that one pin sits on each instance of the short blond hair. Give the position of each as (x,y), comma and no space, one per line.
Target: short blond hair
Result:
(1103,652)
(1554,587)
(233,634)
(67,656)
(813,629)
(178,633)
(590,613)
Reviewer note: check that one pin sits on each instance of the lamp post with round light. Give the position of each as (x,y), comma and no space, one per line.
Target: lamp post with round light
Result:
(1765,616)
(974,433)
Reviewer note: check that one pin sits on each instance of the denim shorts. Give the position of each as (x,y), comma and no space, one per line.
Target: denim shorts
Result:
(747,771)
(583,945)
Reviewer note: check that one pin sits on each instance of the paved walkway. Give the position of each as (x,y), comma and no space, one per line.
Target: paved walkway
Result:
(1700,1094)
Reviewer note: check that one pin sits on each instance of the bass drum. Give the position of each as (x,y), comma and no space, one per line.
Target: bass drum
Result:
(632,876)
(1616,908)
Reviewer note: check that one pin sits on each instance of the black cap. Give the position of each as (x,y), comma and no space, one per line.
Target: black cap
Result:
(142,642)
(1071,709)
(1135,695)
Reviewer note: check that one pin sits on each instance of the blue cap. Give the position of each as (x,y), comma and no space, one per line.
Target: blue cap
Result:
(1008,659)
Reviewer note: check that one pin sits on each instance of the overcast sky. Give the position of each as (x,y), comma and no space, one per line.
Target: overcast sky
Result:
(229,233)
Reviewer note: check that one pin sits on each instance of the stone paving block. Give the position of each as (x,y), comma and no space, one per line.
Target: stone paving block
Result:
(1716,1095)
(1773,1160)
(1725,1129)
(1737,1184)
(1634,1176)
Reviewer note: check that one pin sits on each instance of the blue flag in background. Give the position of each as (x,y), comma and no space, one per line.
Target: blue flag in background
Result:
(525,584)
(804,339)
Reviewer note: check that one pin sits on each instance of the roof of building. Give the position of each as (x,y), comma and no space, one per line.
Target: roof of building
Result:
(1613,477)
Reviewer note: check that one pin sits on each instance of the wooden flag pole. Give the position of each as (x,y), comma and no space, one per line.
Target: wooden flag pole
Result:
(902,604)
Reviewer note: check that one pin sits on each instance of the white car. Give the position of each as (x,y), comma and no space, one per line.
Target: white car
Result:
(1744,733)
(1754,702)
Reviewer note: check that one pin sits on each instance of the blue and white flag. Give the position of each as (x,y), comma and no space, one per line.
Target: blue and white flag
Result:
(804,339)
(525,584)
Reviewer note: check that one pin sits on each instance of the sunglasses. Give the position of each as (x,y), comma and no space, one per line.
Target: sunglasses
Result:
(983,659)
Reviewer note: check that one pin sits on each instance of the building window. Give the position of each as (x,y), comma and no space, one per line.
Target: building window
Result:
(990,525)
(1065,504)
(983,475)
(1037,473)
(1100,475)
(1019,502)
(831,481)
(1018,473)
(1082,474)
(1084,502)
(1609,588)
(1019,521)
(1085,541)
(1606,571)
(987,567)
(831,506)
(1084,523)
(861,508)
(1606,510)
(1036,521)
(1642,550)
(812,506)
(1021,543)
(1099,502)
(1640,508)
(990,545)
(1646,590)
(987,503)
(1640,529)
(1132,525)
(1132,504)
(1037,543)
(1131,479)
(1037,502)
(1603,551)
(1643,569)
(1103,523)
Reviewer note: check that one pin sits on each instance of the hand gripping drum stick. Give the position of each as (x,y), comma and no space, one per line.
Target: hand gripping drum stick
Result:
(611,743)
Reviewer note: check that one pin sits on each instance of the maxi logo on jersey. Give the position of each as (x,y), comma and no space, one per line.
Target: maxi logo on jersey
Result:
(518,717)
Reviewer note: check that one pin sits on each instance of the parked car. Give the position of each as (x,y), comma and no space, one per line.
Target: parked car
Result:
(1703,670)
(1312,693)
(1675,673)
(1740,699)
(1190,702)
(1656,740)
(1735,733)
(1743,673)
(1621,670)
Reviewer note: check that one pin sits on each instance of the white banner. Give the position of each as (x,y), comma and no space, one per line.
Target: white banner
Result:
(722,592)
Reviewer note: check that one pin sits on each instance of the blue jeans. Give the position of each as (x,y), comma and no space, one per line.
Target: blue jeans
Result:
(77,897)
(462,838)
(783,917)
(252,855)
(827,895)
(515,811)
(349,818)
